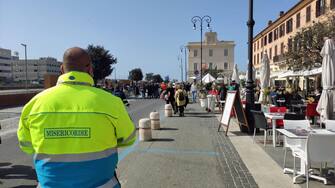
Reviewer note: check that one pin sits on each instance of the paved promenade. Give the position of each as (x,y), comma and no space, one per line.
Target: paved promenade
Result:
(187,152)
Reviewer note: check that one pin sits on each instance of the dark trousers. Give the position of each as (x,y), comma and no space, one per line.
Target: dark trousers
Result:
(181,110)
(173,104)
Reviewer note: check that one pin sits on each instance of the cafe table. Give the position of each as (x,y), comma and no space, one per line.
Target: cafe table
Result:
(273,117)
(301,134)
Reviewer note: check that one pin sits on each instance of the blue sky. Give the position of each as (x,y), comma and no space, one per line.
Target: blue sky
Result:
(140,33)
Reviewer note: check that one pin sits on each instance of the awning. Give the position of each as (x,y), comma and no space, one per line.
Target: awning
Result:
(312,72)
(288,73)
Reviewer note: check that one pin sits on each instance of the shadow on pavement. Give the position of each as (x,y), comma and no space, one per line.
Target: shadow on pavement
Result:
(17,172)
(239,133)
(168,129)
(160,140)
(25,186)
(199,114)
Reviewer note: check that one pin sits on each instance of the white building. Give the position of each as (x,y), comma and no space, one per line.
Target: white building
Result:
(215,55)
(5,65)
(14,69)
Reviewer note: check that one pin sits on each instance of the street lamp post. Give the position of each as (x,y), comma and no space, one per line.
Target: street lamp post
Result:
(250,97)
(201,20)
(180,57)
(183,48)
(26,62)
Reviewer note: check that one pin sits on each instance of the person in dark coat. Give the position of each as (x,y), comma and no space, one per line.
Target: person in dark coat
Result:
(171,94)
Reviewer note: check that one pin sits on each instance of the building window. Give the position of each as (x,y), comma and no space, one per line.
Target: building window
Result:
(282,48)
(275,34)
(195,66)
(225,65)
(270,53)
(320,8)
(254,60)
(265,40)
(282,30)
(332,4)
(254,47)
(257,58)
(195,53)
(225,52)
(210,52)
(261,56)
(289,45)
(289,25)
(210,66)
(257,44)
(270,37)
(297,19)
(308,14)
(276,50)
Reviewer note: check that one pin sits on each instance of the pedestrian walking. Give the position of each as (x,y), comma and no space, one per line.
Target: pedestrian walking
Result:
(194,90)
(74,129)
(120,93)
(171,97)
(180,97)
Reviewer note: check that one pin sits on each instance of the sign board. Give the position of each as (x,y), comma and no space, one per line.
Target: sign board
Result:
(233,101)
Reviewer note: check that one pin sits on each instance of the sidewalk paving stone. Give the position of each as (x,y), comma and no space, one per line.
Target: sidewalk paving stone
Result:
(187,152)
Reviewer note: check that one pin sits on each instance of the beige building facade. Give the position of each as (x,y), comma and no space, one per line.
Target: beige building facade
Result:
(276,37)
(215,55)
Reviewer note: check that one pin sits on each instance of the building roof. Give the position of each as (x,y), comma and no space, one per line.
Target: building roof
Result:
(300,5)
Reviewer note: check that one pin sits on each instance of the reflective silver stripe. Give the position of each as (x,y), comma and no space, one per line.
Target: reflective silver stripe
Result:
(133,134)
(25,144)
(75,157)
(74,83)
(111,183)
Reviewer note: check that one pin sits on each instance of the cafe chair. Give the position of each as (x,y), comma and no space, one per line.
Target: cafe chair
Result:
(330,125)
(275,109)
(261,123)
(311,112)
(292,116)
(294,144)
(319,148)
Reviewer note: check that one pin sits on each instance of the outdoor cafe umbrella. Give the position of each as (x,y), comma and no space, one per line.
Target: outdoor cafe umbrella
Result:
(208,79)
(253,74)
(235,75)
(326,103)
(265,77)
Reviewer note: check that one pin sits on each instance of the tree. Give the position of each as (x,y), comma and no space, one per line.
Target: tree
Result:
(102,61)
(149,76)
(214,72)
(157,78)
(304,49)
(136,75)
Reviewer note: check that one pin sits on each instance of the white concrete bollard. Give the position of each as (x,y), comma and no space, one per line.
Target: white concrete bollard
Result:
(168,110)
(155,123)
(144,129)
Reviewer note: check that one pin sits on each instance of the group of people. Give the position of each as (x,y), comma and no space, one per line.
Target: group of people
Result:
(290,96)
(176,95)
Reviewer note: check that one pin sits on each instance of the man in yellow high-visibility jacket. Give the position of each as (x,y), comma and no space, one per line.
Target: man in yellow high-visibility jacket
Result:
(73,129)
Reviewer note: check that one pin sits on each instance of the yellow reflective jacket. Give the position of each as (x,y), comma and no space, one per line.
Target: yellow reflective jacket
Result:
(71,123)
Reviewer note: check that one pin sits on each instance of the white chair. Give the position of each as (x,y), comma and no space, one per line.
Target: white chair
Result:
(293,144)
(319,148)
(330,125)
